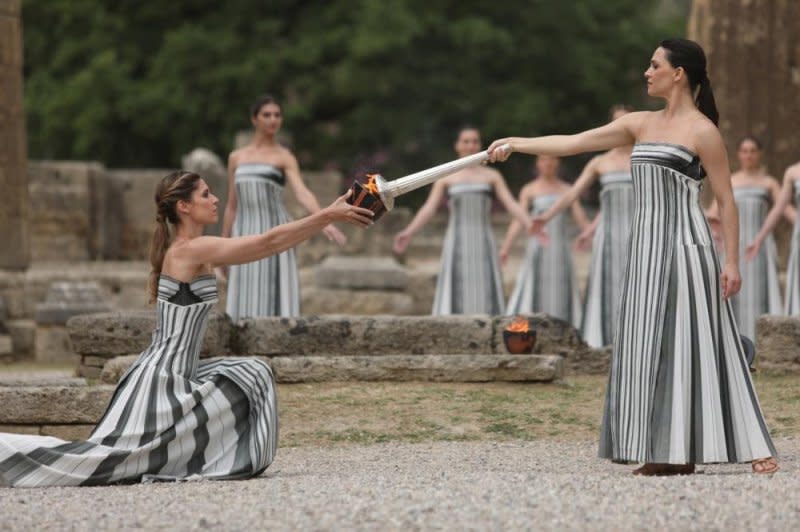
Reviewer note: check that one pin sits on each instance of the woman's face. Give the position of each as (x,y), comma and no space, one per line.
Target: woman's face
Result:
(468,142)
(202,208)
(749,155)
(546,166)
(269,119)
(661,76)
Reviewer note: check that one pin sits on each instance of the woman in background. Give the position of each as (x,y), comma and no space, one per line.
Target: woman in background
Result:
(546,280)
(469,277)
(257,174)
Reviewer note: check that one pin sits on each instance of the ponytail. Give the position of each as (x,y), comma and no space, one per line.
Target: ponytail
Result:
(173,188)
(690,56)
(705,101)
(158,248)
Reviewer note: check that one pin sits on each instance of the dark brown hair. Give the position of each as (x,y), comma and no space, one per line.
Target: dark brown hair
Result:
(752,138)
(260,102)
(690,56)
(176,186)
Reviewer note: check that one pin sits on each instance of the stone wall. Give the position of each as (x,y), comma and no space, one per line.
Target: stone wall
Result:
(100,338)
(778,343)
(15,252)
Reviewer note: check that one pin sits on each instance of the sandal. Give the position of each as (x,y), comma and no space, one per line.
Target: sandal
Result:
(765,466)
(664,470)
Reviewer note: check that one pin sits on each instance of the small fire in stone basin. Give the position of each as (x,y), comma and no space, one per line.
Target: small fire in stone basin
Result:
(519,337)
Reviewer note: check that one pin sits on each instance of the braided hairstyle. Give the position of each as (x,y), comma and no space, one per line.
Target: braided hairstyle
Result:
(690,56)
(176,186)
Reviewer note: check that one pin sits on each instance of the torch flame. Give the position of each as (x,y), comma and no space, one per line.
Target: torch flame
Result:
(519,324)
(370,185)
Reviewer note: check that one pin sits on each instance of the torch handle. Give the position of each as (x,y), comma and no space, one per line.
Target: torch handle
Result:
(400,186)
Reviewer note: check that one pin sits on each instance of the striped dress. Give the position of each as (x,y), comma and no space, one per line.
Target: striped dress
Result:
(609,258)
(760,293)
(172,416)
(546,280)
(679,388)
(469,279)
(267,287)
(793,268)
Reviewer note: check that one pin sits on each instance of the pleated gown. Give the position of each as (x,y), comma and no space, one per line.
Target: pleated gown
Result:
(172,416)
(760,293)
(679,388)
(609,259)
(546,280)
(268,287)
(793,268)
(469,279)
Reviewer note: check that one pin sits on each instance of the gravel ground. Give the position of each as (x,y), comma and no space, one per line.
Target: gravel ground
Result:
(440,485)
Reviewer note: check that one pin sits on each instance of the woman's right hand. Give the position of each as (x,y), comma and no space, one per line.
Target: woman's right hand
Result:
(751,251)
(401,242)
(584,240)
(341,211)
(538,224)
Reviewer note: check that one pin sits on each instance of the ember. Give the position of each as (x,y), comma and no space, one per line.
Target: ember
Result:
(371,186)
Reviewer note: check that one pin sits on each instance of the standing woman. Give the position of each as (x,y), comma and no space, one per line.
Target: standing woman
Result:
(610,229)
(469,278)
(257,174)
(172,415)
(679,390)
(790,190)
(546,281)
(754,191)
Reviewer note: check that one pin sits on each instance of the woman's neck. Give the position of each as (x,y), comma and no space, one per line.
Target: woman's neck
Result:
(263,140)
(679,103)
(188,231)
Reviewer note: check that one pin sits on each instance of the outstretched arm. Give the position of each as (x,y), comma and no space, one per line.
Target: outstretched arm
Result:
(423,216)
(307,199)
(226,251)
(525,196)
(620,132)
(587,177)
(508,201)
(711,150)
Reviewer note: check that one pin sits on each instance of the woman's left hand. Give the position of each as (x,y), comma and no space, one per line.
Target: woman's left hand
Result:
(730,280)
(333,233)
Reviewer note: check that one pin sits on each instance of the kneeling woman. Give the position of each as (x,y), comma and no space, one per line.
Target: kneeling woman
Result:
(173,416)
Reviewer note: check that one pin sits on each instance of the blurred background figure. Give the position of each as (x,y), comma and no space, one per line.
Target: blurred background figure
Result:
(469,279)
(754,192)
(546,280)
(257,174)
(790,190)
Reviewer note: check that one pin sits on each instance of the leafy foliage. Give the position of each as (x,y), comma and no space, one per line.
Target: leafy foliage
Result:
(363,83)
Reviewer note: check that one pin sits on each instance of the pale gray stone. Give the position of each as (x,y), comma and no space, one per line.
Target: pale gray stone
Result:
(6,345)
(361,273)
(23,336)
(53,345)
(53,404)
(68,432)
(70,298)
(116,367)
(316,301)
(439,368)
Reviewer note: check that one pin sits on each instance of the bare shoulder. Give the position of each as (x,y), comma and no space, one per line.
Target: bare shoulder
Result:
(793,171)
(705,133)
(637,121)
(236,155)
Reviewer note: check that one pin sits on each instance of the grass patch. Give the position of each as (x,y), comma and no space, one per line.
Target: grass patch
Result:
(366,413)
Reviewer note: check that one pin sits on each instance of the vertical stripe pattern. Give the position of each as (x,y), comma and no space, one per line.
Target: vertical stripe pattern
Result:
(760,293)
(609,259)
(469,279)
(679,387)
(793,268)
(546,280)
(171,416)
(268,287)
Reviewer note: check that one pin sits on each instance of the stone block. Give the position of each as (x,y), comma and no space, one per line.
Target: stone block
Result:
(68,432)
(361,273)
(23,336)
(89,372)
(6,345)
(317,301)
(123,333)
(438,368)
(375,335)
(778,343)
(70,298)
(20,429)
(115,368)
(64,405)
(53,345)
